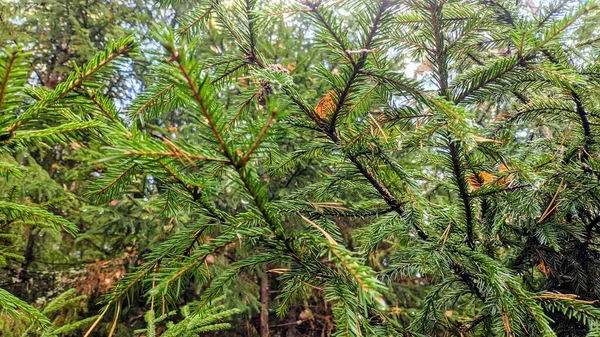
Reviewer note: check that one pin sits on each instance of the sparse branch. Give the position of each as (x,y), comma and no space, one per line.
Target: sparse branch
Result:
(356,67)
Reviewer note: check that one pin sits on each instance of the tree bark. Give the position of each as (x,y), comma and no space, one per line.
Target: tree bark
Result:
(264,301)
(31,234)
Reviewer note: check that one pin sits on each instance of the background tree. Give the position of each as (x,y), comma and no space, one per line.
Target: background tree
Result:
(59,36)
(38,116)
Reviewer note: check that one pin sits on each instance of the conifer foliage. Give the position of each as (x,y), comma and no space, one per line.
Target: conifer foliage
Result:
(363,199)
(31,115)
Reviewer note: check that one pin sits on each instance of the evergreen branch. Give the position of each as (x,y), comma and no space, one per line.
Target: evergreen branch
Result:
(194,192)
(500,68)
(587,42)
(581,112)
(14,70)
(520,96)
(147,103)
(172,154)
(239,112)
(117,179)
(224,14)
(229,72)
(10,169)
(18,308)
(252,54)
(361,276)
(100,105)
(550,13)
(67,298)
(40,217)
(123,289)
(435,11)
(561,26)
(186,28)
(237,164)
(489,74)
(257,200)
(249,183)
(439,48)
(569,304)
(70,328)
(12,58)
(203,253)
(76,79)
(435,157)
(462,190)
(315,10)
(260,136)
(197,196)
(388,197)
(198,97)
(197,235)
(61,133)
(439,104)
(381,189)
(121,292)
(585,123)
(357,67)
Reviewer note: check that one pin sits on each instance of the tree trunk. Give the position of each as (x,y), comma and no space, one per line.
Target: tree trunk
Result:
(264,301)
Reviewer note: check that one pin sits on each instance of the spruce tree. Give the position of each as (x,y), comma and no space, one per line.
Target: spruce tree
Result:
(466,179)
(314,184)
(38,116)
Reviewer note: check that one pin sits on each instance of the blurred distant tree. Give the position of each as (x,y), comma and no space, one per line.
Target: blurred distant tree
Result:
(61,33)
